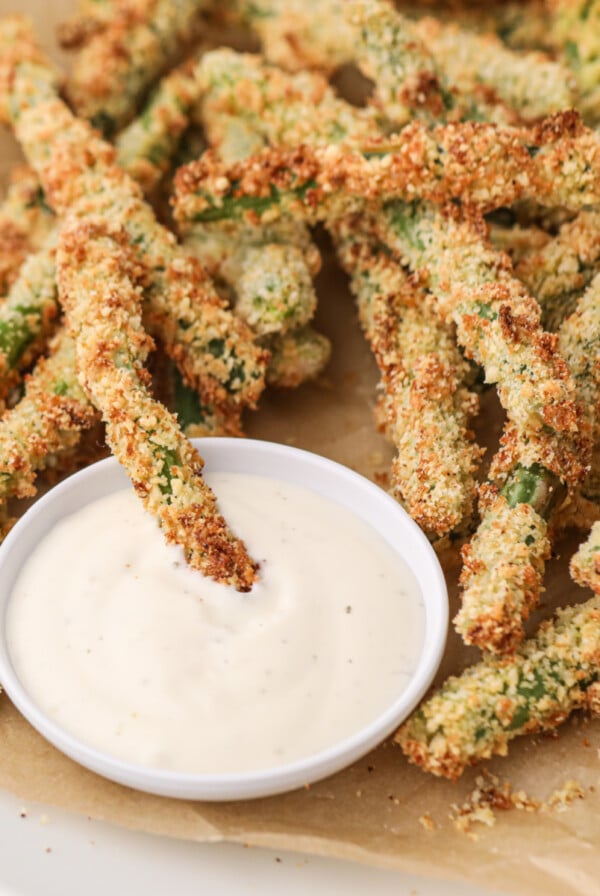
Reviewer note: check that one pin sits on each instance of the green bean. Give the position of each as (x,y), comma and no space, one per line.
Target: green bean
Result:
(247,104)
(428,407)
(475,715)
(575,26)
(145,148)
(585,565)
(213,349)
(557,162)
(297,35)
(531,84)
(48,419)
(504,564)
(27,315)
(98,275)
(119,63)
(296,357)
(25,221)
(559,271)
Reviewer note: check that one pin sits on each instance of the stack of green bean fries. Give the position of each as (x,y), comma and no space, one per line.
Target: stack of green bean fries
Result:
(462,200)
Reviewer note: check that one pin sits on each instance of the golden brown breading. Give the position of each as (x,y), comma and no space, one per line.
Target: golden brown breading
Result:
(77,169)
(427,408)
(25,221)
(47,420)
(98,275)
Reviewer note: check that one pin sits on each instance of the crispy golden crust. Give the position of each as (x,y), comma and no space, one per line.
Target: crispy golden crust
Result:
(27,315)
(21,54)
(498,325)
(504,564)
(46,421)
(247,103)
(564,266)
(297,35)
(296,357)
(93,16)
(531,84)
(145,148)
(502,573)
(480,164)
(25,221)
(122,59)
(475,715)
(214,350)
(426,407)
(97,274)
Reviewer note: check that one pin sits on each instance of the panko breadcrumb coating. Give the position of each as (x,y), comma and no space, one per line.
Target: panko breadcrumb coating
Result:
(585,564)
(388,50)
(575,26)
(427,406)
(121,60)
(296,357)
(92,16)
(98,275)
(296,35)
(25,222)
(28,314)
(214,350)
(146,146)
(275,106)
(559,271)
(483,165)
(531,84)
(501,587)
(475,715)
(48,419)
(504,563)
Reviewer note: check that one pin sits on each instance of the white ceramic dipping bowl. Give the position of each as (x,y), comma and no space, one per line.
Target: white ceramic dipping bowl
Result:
(332,481)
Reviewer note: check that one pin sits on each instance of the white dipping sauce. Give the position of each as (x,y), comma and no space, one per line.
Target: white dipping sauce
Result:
(124,646)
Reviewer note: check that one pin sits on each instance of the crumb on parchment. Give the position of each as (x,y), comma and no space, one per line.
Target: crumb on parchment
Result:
(491,795)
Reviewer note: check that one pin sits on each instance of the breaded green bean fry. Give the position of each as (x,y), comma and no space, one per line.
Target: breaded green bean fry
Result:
(213,349)
(575,26)
(275,292)
(122,60)
(246,104)
(92,16)
(556,162)
(98,275)
(27,315)
(48,419)
(498,325)
(475,715)
(297,35)
(145,148)
(559,271)
(530,83)
(25,221)
(296,357)
(504,564)
(428,407)
(388,50)
(585,564)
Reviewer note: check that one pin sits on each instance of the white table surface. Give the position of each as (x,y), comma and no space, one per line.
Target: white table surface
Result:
(49,852)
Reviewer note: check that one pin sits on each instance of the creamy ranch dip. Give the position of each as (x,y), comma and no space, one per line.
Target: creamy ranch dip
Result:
(128,649)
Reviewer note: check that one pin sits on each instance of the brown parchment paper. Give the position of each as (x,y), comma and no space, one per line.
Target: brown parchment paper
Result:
(370,811)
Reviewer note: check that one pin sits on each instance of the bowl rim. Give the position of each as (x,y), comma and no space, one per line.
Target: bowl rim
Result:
(217,453)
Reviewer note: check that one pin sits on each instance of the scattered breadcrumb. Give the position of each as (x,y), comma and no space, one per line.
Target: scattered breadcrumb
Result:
(427,822)
(491,795)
